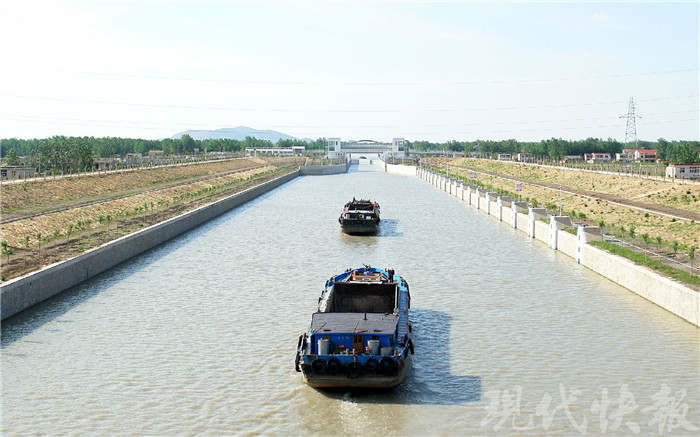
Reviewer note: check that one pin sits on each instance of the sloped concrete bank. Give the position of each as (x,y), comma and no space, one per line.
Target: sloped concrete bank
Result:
(23,292)
(664,292)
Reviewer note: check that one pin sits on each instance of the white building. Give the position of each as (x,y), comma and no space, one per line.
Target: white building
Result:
(335,148)
(625,156)
(276,151)
(398,147)
(683,171)
(597,157)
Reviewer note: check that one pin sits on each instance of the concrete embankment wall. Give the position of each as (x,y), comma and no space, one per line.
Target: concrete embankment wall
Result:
(667,293)
(320,170)
(407,170)
(21,293)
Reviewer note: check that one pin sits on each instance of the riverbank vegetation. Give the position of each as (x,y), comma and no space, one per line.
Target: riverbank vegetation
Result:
(59,219)
(61,154)
(644,214)
(555,149)
(648,261)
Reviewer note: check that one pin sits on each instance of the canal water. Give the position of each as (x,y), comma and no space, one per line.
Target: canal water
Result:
(198,335)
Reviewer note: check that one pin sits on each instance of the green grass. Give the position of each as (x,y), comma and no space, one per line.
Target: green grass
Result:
(572,231)
(672,272)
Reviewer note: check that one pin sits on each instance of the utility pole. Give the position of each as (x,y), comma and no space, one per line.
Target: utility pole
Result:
(559,200)
(631,131)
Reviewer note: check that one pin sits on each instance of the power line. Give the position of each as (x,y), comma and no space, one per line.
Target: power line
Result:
(288,110)
(29,118)
(320,83)
(302,133)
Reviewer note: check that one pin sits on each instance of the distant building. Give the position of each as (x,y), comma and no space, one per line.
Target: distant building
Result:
(335,147)
(105,163)
(640,155)
(505,157)
(683,171)
(524,157)
(399,147)
(16,172)
(276,151)
(597,157)
(572,158)
(626,156)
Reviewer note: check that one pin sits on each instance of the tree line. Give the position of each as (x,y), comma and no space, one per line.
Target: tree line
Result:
(556,148)
(65,154)
(77,153)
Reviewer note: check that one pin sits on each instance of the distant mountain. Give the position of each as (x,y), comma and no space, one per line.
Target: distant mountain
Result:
(236,133)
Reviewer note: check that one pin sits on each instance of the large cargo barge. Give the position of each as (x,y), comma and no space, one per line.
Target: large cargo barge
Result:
(360,335)
(360,217)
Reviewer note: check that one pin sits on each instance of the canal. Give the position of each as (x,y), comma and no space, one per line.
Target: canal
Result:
(198,335)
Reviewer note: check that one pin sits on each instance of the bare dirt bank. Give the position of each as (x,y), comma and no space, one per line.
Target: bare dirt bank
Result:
(129,201)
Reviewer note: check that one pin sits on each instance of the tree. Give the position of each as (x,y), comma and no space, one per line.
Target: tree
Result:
(188,144)
(686,154)
(6,250)
(556,148)
(691,256)
(11,158)
(80,154)
(663,149)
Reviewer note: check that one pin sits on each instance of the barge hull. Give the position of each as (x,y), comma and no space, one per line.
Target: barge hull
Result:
(365,381)
(359,228)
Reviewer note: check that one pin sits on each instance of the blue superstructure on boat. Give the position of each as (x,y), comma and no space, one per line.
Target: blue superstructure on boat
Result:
(360,335)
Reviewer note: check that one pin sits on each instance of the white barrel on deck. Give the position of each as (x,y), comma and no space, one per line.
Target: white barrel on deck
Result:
(373,346)
(324,346)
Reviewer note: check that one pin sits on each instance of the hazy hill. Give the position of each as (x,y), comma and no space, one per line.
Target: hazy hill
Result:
(236,133)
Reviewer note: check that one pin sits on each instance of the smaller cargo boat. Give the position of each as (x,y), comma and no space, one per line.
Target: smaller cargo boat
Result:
(360,335)
(360,217)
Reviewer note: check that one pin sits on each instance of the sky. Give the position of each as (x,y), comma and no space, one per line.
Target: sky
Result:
(434,71)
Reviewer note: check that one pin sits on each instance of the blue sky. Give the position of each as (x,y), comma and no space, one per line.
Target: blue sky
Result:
(356,70)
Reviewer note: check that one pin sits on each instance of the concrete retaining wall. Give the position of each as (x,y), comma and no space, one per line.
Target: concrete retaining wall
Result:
(663,291)
(321,170)
(406,170)
(667,293)
(567,243)
(21,293)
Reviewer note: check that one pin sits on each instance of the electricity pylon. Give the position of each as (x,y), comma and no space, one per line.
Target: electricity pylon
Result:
(631,132)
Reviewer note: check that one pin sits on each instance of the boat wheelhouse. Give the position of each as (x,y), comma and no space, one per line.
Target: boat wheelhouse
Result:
(360,335)
(360,217)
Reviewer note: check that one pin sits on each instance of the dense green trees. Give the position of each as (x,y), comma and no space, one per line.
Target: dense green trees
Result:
(11,158)
(69,154)
(557,148)
(686,153)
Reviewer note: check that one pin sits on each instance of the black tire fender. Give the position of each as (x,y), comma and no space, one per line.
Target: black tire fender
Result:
(318,366)
(371,366)
(387,366)
(354,369)
(333,366)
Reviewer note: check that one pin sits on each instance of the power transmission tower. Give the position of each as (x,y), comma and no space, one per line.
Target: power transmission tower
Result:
(631,132)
